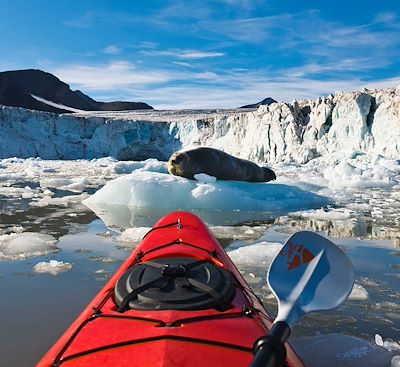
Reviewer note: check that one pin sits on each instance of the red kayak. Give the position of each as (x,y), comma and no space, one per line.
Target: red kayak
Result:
(178,300)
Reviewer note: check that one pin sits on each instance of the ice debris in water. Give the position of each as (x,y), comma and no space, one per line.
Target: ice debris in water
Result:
(238,232)
(62,201)
(150,164)
(378,172)
(254,258)
(378,340)
(388,344)
(52,267)
(158,190)
(321,214)
(16,246)
(358,293)
(133,235)
(395,361)
(75,184)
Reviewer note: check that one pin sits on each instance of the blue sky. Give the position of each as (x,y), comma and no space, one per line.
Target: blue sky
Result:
(205,54)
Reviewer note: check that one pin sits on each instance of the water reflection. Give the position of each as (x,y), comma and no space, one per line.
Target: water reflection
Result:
(123,217)
(55,220)
(360,227)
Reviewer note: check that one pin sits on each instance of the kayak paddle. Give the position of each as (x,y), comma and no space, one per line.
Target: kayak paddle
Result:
(310,273)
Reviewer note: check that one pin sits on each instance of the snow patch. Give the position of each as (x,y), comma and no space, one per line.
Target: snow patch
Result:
(57,105)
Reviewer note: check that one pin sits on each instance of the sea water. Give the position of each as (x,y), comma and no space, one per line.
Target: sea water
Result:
(56,254)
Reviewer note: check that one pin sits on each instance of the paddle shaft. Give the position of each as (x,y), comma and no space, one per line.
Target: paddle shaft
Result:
(270,349)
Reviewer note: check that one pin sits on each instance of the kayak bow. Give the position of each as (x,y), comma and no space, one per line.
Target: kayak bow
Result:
(178,300)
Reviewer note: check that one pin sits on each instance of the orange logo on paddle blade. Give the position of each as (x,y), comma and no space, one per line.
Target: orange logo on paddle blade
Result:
(297,255)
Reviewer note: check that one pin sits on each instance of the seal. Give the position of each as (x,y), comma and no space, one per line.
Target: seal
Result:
(217,163)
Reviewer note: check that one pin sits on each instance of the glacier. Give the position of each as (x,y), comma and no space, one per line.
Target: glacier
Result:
(331,127)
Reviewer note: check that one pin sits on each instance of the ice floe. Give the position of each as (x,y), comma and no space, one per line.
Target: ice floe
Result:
(52,267)
(217,202)
(359,293)
(16,246)
(132,235)
(238,232)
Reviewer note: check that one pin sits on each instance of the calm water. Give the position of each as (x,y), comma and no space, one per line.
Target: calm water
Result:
(36,308)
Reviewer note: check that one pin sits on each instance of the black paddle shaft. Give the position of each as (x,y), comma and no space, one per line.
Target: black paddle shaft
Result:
(270,349)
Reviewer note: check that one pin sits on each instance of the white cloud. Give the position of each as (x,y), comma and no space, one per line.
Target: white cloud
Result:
(148,44)
(183,54)
(114,75)
(165,89)
(182,97)
(386,17)
(181,63)
(343,66)
(112,50)
(198,54)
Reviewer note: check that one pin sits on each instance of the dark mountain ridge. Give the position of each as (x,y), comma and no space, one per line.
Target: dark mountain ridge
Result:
(17,88)
(266,102)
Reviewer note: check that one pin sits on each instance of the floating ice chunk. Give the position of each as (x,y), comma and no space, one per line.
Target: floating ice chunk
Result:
(101,271)
(75,184)
(358,293)
(133,235)
(395,362)
(388,344)
(151,164)
(16,246)
(62,201)
(103,259)
(255,258)
(52,267)
(321,214)
(16,229)
(145,190)
(55,183)
(378,340)
(364,172)
(204,178)
(151,189)
(104,161)
(238,232)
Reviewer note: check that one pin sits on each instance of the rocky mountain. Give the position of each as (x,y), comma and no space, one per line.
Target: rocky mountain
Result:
(38,90)
(265,102)
(330,127)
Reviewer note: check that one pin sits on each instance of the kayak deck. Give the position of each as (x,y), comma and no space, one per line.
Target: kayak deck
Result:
(104,336)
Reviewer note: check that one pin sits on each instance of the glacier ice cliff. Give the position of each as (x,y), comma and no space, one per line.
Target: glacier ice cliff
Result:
(337,125)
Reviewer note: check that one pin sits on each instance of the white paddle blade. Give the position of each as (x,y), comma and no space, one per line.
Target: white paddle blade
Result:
(310,273)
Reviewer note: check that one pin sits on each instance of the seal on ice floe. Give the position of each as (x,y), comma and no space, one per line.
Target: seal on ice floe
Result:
(217,163)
